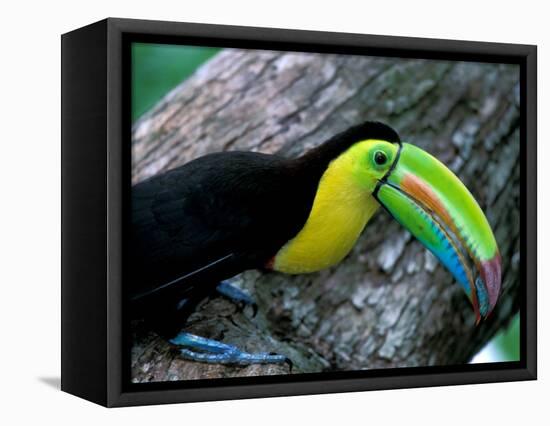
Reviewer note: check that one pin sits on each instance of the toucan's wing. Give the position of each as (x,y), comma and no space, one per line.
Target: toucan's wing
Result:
(211,219)
(185,279)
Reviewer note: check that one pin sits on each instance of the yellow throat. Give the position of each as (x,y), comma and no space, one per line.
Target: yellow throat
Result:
(341,209)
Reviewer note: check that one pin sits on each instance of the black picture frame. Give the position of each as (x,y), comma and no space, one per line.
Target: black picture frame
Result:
(95,188)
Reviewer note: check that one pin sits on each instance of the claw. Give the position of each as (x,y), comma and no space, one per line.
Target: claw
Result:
(216,352)
(235,294)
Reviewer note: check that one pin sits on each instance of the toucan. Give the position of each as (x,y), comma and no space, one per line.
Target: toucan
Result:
(195,227)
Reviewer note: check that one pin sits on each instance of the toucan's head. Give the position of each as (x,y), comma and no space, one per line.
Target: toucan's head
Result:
(429,200)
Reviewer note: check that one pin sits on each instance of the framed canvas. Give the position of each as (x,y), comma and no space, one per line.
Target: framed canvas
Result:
(253,212)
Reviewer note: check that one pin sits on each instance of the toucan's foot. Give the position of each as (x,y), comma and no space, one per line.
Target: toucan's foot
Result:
(238,296)
(211,351)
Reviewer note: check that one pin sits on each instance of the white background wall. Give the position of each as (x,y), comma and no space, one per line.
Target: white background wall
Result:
(30,199)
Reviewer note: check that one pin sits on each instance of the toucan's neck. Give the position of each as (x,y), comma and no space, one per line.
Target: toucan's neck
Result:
(340,205)
(341,209)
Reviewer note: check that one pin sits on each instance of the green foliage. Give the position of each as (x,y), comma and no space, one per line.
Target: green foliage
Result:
(158,68)
(507,341)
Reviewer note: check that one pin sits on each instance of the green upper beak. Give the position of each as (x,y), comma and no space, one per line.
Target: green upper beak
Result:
(435,206)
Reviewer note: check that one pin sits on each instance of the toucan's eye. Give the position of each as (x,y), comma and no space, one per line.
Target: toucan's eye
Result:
(380,158)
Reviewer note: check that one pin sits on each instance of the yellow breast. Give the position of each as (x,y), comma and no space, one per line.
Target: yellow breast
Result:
(340,211)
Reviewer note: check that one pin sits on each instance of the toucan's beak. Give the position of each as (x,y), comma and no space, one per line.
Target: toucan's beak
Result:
(435,206)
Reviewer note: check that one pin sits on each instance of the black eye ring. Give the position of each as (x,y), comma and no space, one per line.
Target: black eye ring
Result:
(380,158)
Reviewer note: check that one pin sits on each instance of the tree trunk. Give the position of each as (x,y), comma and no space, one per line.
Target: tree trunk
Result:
(389,303)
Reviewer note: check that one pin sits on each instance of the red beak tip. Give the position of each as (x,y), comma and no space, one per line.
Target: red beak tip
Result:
(491,273)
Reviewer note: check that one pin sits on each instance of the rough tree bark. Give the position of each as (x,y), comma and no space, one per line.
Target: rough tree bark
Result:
(388,304)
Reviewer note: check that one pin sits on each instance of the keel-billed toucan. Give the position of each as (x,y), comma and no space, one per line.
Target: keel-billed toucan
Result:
(219,215)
